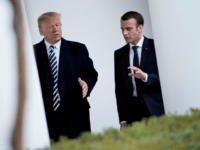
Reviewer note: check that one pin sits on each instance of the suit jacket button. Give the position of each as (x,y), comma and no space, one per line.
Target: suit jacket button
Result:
(47,99)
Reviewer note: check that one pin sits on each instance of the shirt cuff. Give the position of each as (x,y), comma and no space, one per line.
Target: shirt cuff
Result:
(145,78)
(123,121)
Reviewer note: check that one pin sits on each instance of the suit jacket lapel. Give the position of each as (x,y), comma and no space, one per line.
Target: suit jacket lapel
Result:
(43,64)
(65,52)
(127,63)
(145,51)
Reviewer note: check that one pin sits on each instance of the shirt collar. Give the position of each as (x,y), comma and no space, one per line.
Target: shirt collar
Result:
(57,45)
(139,44)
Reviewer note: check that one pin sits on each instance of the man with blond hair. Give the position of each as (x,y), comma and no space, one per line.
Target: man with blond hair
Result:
(67,77)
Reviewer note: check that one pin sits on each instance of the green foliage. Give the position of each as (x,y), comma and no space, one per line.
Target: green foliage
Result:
(171,132)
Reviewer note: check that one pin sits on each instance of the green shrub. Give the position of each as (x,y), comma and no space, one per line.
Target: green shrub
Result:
(171,132)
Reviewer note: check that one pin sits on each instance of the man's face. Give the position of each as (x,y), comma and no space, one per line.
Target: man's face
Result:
(51,30)
(131,33)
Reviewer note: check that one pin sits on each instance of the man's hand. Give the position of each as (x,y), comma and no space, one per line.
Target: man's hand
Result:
(138,73)
(84,87)
(123,125)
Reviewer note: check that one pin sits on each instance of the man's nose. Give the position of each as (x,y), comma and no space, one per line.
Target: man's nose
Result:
(124,32)
(54,28)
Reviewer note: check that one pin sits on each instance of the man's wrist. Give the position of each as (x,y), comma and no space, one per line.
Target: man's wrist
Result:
(123,122)
(145,80)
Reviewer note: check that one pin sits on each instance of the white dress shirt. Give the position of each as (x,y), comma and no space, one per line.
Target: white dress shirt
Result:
(57,54)
(131,56)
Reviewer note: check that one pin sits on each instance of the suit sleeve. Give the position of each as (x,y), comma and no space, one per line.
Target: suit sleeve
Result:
(153,76)
(88,73)
(153,79)
(120,92)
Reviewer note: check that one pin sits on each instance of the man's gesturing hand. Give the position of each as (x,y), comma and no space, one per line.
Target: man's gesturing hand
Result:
(138,73)
(84,87)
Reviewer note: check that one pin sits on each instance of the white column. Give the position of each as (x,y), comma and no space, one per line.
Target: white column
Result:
(35,125)
(8,75)
(175,25)
(35,129)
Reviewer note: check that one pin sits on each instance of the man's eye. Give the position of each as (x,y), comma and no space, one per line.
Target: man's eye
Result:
(50,27)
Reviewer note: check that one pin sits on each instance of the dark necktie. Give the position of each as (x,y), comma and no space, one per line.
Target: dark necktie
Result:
(54,70)
(136,58)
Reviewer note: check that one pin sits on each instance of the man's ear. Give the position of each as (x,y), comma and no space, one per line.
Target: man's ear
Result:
(41,32)
(140,28)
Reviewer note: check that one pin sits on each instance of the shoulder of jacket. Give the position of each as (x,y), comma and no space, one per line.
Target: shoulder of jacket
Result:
(150,41)
(73,43)
(120,50)
(38,44)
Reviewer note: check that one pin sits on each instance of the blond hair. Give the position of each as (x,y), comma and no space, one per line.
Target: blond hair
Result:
(46,16)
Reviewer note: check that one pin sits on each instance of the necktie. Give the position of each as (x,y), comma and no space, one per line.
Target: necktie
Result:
(54,70)
(136,64)
(136,58)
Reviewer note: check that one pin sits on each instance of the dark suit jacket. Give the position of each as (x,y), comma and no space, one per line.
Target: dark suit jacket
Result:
(149,92)
(74,62)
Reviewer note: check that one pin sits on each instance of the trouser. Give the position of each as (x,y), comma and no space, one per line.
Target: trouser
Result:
(59,125)
(138,110)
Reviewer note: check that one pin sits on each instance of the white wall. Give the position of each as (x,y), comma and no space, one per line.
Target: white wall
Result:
(176,31)
(96,24)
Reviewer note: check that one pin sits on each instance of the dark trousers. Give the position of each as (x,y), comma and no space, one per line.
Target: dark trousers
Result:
(59,125)
(138,110)
(87,127)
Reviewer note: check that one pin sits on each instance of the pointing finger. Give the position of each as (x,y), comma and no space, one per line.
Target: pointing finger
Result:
(131,74)
(133,68)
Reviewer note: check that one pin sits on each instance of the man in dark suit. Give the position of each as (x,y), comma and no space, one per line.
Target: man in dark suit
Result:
(67,77)
(137,84)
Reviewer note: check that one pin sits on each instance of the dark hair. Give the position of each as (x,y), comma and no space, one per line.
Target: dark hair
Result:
(135,15)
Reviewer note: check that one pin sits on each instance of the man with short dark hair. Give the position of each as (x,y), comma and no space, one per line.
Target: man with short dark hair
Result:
(137,84)
(67,77)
